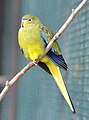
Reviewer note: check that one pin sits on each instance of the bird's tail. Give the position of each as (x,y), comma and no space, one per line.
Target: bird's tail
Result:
(61,85)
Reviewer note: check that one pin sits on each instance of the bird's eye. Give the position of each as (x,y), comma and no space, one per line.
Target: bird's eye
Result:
(30,19)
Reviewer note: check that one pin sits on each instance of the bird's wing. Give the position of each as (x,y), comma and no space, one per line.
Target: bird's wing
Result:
(53,54)
(48,34)
(57,59)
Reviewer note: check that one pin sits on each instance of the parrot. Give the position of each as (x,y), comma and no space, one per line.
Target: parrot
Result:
(33,37)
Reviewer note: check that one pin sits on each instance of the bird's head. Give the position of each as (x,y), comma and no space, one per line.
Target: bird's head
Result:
(29,20)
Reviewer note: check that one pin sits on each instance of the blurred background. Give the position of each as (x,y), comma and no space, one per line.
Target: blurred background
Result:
(35,96)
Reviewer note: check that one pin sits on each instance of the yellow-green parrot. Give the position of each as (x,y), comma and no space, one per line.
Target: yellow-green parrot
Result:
(33,37)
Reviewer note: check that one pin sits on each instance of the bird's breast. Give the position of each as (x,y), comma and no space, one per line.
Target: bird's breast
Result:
(31,41)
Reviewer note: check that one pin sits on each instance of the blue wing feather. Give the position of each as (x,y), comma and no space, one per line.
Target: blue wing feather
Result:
(46,42)
(57,59)
(54,56)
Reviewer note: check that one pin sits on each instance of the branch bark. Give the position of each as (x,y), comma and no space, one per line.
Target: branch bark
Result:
(10,83)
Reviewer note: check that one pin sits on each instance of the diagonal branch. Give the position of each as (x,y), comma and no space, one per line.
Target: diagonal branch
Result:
(10,83)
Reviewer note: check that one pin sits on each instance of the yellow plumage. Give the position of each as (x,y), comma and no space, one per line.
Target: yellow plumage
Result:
(33,37)
(59,80)
(31,42)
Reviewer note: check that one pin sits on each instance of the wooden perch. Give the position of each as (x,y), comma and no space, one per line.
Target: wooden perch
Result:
(10,83)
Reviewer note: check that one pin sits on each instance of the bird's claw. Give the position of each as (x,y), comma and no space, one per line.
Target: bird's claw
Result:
(34,61)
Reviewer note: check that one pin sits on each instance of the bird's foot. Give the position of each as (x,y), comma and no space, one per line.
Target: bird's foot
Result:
(35,62)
